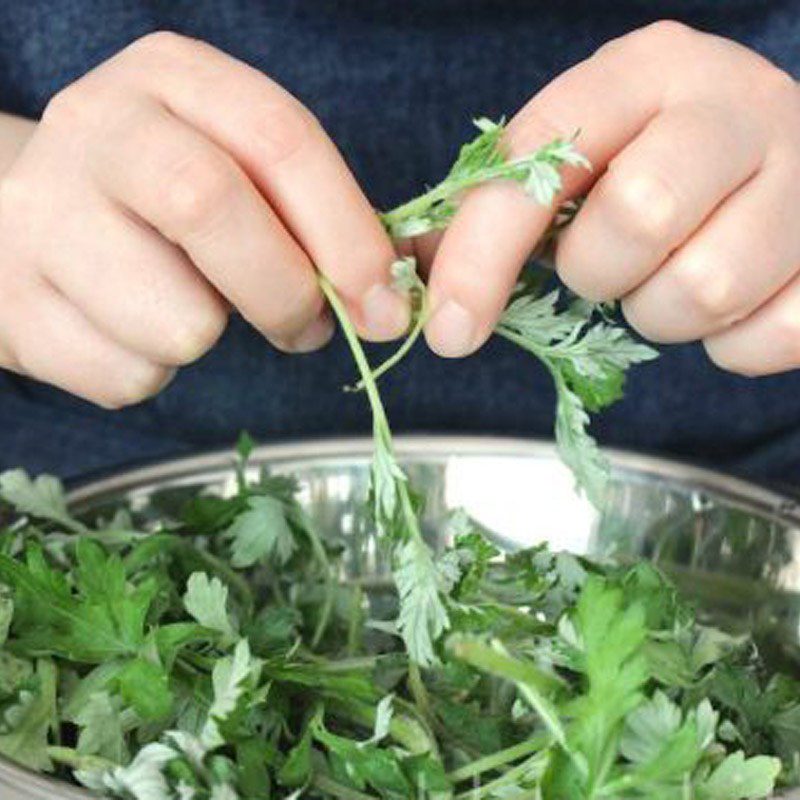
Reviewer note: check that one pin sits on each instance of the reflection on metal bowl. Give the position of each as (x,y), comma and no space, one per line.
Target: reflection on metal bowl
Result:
(731,545)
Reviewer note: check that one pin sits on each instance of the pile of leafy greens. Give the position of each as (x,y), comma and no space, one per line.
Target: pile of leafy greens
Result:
(220,654)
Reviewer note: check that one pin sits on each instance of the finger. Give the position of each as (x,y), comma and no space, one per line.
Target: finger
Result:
(7,360)
(743,255)
(134,286)
(50,340)
(425,248)
(656,192)
(293,163)
(190,190)
(765,343)
(498,226)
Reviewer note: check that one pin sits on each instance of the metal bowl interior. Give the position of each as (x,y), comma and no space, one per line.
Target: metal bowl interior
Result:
(732,546)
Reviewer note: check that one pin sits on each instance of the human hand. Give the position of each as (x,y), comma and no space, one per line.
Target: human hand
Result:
(691,211)
(167,185)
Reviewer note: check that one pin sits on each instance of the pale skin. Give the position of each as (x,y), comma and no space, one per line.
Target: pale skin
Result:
(174,183)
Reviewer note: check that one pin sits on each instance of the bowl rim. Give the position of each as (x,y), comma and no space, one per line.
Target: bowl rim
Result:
(410,447)
(768,500)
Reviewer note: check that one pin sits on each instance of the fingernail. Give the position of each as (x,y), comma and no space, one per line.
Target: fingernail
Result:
(317,334)
(385,313)
(451,331)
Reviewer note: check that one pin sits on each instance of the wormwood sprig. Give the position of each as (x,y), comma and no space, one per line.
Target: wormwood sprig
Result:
(586,355)
(423,616)
(480,161)
(406,280)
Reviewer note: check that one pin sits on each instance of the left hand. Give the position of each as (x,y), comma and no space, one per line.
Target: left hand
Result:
(692,209)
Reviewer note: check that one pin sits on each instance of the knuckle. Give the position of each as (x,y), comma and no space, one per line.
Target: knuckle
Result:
(9,357)
(644,205)
(779,88)
(198,189)
(649,40)
(730,358)
(194,335)
(786,332)
(25,359)
(282,128)
(302,306)
(709,290)
(771,76)
(163,43)
(664,33)
(8,360)
(642,322)
(27,355)
(165,49)
(535,125)
(71,106)
(580,279)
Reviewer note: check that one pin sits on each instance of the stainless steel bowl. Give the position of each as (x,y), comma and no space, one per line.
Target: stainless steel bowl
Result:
(732,545)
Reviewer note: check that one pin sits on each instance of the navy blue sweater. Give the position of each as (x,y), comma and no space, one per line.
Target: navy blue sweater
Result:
(396,84)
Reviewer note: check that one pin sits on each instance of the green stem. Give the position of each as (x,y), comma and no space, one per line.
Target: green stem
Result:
(616,787)
(414,711)
(109,538)
(500,758)
(277,591)
(509,778)
(356,623)
(402,351)
(74,760)
(327,607)
(74,525)
(371,388)
(450,187)
(337,790)
(517,339)
(379,417)
(328,666)
(419,693)
(406,728)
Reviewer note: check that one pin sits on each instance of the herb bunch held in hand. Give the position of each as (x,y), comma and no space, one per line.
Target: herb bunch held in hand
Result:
(585,353)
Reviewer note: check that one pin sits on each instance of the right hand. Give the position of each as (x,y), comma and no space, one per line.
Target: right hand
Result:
(164,187)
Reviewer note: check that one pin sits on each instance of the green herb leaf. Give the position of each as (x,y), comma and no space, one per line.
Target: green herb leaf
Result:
(231,677)
(423,616)
(262,533)
(102,730)
(42,498)
(29,722)
(104,619)
(206,600)
(587,360)
(145,686)
(740,778)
